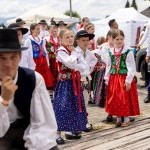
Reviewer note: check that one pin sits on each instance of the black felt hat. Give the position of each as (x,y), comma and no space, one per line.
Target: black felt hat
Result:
(43,22)
(61,23)
(9,41)
(83,33)
(17,27)
(19,20)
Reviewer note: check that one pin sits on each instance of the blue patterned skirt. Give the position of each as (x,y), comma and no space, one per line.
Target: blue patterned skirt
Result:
(66,109)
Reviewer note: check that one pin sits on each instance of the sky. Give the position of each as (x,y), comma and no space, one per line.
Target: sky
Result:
(89,8)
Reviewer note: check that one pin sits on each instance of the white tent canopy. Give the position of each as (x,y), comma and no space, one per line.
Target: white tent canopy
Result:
(128,19)
(43,12)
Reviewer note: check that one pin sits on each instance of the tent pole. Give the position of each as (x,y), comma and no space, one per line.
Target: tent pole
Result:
(70,8)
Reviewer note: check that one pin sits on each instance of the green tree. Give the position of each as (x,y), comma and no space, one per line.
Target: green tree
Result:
(74,14)
(127,4)
(134,4)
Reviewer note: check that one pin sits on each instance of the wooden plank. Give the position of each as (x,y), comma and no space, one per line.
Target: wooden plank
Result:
(92,138)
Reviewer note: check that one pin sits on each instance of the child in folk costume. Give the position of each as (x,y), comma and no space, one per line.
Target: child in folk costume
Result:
(90,28)
(82,39)
(122,96)
(37,46)
(100,86)
(69,106)
(52,44)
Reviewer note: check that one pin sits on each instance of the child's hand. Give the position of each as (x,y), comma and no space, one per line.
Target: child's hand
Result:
(70,47)
(128,86)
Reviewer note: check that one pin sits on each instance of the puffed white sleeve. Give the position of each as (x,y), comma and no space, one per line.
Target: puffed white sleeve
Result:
(45,50)
(27,56)
(69,60)
(130,63)
(41,132)
(108,67)
(92,60)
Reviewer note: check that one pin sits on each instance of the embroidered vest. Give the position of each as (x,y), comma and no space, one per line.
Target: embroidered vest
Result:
(38,50)
(121,68)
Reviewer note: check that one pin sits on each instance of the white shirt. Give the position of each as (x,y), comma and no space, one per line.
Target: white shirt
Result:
(89,58)
(72,61)
(27,59)
(41,132)
(145,37)
(130,63)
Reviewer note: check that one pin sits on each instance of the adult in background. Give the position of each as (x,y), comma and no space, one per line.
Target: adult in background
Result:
(27,119)
(145,37)
(113,24)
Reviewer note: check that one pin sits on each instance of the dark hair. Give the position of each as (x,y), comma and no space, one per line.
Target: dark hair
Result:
(32,26)
(87,26)
(84,18)
(110,23)
(116,33)
(110,32)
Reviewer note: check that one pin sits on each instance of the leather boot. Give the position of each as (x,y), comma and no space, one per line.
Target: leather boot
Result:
(147,98)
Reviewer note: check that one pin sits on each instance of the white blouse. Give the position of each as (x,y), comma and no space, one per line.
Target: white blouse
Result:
(130,63)
(72,61)
(41,132)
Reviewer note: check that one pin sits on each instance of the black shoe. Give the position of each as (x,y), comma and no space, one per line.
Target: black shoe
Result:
(132,119)
(89,127)
(109,118)
(91,102)
(144,85)
(147,99)
(60,141)
(73,136)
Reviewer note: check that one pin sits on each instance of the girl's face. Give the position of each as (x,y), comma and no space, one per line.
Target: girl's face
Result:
(68,38)
(36,30)
(54,32)
(91,30)
(118,41)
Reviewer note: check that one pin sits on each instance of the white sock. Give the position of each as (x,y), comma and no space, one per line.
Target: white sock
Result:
(126,119)
(118,119)
(69,133)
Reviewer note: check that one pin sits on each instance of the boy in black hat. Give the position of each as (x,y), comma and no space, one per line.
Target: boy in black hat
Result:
(27,119)
(83,39)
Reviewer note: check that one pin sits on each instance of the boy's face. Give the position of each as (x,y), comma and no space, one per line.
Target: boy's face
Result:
(83,42)
(9,62)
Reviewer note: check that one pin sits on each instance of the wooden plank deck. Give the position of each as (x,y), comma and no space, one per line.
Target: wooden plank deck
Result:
(106,137)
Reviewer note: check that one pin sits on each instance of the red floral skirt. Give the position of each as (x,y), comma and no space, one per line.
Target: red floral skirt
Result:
(120,102)
(43,69)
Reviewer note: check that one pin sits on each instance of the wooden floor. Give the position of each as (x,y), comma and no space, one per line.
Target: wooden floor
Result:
(106,137)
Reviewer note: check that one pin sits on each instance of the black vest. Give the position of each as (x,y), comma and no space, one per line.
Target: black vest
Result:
(22,98)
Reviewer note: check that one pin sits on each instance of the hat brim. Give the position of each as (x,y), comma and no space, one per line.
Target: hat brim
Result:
(91,36)
(23,30)
(13,50)
(42,23)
